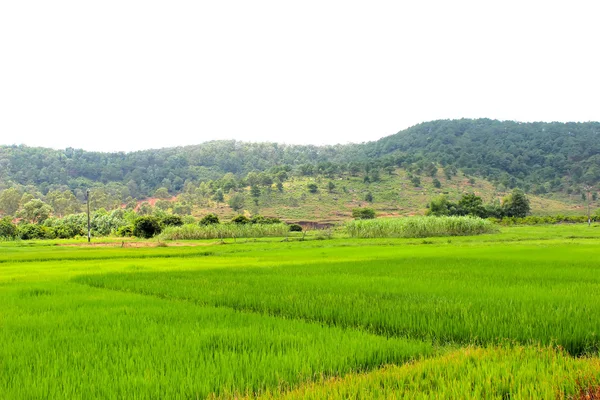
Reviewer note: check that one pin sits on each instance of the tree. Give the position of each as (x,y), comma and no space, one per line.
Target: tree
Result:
(35,211)
(516,204)
(436,183)
(219,197)
(369,197)
(440,206)
(363,213)
(470,204)
(209,219)
(236,202)
(255,191)
(9,201)
(7,228)
(330,186)
(146,227)
(162,193)
(312,187)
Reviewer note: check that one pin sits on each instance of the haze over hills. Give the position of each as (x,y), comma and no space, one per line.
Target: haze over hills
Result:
(545,159)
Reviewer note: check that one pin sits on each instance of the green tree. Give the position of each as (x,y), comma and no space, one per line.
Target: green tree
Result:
(330,186)
(7,228)
(369,197)
(209,219)
(219,197)
(471,204)
(9,201)
(146,227)
(363,213)
(35,211)
(516,204)
(237,201)
(312,187)
(162,193)
(440,206)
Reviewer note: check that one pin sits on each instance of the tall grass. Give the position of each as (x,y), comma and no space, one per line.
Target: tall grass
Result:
(221,231)
(419,227)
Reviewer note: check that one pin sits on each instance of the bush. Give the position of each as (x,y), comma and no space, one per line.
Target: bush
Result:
(363,213)
(313,188)
(209,219)
(125,231)
(32,231)
(259,219)
(241,220)
(171,220)
(295,228)
(146,227)
(8,230)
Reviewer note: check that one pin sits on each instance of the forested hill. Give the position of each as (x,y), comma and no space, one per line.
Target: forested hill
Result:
(540,157)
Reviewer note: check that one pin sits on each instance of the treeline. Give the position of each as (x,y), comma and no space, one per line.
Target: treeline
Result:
(124,223)
(515,205)
(538,157)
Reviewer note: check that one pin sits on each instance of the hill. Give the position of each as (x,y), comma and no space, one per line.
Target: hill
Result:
(553,161)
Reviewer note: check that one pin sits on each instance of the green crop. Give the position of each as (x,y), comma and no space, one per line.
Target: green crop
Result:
(419,227)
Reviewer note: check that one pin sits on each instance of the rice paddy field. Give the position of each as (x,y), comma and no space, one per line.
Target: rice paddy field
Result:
(510,314)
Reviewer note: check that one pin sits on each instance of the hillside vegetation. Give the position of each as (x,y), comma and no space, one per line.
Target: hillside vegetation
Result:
(397,175)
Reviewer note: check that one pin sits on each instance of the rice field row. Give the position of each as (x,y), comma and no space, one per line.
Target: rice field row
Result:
(448,296)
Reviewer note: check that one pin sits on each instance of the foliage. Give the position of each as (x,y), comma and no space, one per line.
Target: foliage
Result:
(9,201)
(516,204)
(312,187)
(35,211)
(33,231)
(171,220)
(295,228)
(240,220)
(363,213)
(125,231)
(146,227)
(8,230)
(236,202)
(259,219)
(209,219)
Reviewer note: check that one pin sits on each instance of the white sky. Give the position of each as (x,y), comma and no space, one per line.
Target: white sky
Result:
(127,75)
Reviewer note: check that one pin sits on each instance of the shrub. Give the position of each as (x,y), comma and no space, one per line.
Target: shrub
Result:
(295,228)
(241,220)
(8,230)
(363,213)
(312,187)
(146,227)
(209,219)
(125,231)
(259,219)
(31,231)
(171,220)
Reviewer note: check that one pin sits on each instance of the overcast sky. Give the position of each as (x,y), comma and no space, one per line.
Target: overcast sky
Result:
(127,75)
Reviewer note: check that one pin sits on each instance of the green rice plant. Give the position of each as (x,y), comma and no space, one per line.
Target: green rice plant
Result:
(65,341)
(419,227)
(222,231)
(465,295)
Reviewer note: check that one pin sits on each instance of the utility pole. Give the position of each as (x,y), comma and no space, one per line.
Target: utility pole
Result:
(588,190)
(87,195)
